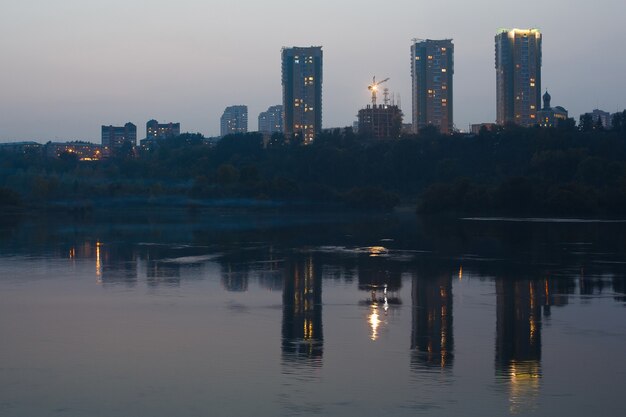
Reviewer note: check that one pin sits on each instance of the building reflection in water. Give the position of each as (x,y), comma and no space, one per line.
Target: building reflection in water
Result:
(235,277)
(113,264)
(520,304)
(159,271)
(302,330)
(163,274)
(381,279)
(432,340)
(619,288)
(380,303)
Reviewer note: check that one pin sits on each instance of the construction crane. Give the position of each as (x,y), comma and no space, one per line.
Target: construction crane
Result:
(373,87)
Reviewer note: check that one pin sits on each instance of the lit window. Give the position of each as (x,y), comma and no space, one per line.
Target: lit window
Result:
(430,57)
(444,70)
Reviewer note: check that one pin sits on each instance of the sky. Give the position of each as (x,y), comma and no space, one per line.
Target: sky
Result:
(69,66)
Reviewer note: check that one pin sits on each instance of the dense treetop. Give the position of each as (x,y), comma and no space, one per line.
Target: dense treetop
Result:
(511,170)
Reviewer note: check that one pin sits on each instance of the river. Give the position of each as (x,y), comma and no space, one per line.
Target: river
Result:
(285,312)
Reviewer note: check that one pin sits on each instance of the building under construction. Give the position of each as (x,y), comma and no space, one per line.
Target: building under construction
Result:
(380,121)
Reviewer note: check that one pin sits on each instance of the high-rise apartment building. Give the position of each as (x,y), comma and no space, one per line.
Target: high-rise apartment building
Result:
(234,120)
(271,121)
(432,68)
(518,76)
(302,92)
(114,137)
(156,130)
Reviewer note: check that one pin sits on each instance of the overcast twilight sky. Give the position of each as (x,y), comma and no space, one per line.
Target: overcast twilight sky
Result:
(69,66)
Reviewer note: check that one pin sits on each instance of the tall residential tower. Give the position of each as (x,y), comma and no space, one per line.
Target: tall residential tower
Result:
(271,121)
(432,68)
(518,76)
(302,92)
(234,120)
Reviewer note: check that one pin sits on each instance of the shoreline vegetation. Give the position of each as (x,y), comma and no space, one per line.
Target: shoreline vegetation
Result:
(510,171)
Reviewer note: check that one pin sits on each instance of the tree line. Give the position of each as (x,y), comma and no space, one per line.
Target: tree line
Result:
(508,170)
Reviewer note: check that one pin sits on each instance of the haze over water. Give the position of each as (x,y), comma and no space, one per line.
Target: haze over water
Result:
(277,312)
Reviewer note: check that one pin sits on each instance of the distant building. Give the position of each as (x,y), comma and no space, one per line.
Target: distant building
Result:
(432,68)
(234,120)
(302,92)
(518,76)
(84,151)
(20,147)
(115,137)
(476,128)
(603,116)
(156,130)
(380,121)
(148,144)
(271,121)
(550,116)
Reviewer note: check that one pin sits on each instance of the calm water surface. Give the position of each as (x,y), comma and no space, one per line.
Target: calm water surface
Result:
(233,313)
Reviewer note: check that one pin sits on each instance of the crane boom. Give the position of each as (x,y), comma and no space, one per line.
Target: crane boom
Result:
(373,87)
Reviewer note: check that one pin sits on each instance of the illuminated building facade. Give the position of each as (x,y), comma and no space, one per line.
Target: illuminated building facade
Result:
(234,120)
(432,69)
(302,92)
(380,121)
(550,116)
(156,130)
(116,137)
(84,151)
(271,121)
(518,76)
